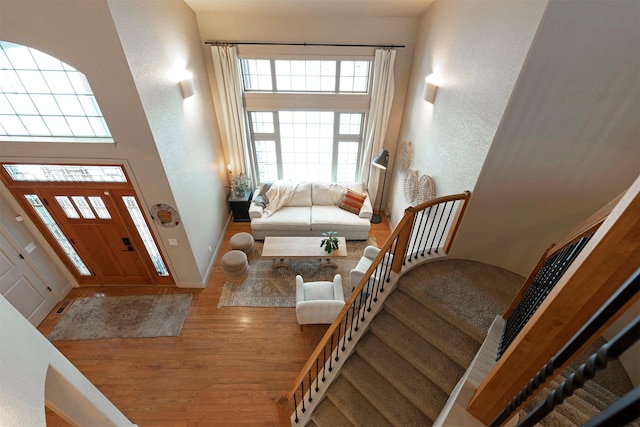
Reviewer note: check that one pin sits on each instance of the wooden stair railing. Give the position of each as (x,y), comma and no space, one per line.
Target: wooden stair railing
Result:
(424,230)
(610,256)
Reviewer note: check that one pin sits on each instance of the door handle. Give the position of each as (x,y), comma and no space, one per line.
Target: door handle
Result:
(129,249)
(126,241)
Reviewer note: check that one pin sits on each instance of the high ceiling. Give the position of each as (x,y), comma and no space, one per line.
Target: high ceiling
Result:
(313,7)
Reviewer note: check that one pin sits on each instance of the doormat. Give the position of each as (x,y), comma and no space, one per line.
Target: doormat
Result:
(266,287)
(135,316)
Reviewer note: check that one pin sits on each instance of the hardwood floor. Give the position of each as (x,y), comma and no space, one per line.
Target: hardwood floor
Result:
(227,367)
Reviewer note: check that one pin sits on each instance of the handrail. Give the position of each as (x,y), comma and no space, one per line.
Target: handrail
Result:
(607,352)
(367,292)
(607,260)
(585,229)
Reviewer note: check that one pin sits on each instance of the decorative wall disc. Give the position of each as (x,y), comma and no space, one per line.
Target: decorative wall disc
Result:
(165,215)
(404,156)
(426,189)
(410,185)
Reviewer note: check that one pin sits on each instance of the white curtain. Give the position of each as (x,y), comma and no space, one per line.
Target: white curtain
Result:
(376,126)
(229,109)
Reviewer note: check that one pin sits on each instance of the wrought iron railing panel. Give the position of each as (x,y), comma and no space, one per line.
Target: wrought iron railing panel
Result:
(543,283)
(595,363)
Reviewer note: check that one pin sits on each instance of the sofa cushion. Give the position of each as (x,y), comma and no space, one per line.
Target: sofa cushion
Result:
(319,291)
(292,218)
(332,218)
(352,201)
(301,196)
(325,193)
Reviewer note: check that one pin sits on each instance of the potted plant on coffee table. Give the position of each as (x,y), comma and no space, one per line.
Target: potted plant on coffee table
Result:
(330,242)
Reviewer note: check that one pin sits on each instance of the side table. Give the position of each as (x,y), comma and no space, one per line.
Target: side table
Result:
(240,206)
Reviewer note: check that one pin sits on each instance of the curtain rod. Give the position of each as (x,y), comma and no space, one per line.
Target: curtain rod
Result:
(384,46)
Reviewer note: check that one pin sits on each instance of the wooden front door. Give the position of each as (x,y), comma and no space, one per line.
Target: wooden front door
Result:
(93,220)
(94,233)
(95,226)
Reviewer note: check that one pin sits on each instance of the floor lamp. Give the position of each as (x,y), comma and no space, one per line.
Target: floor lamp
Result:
(380,161)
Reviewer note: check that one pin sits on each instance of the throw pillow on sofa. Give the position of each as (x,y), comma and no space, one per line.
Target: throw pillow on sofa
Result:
(352,201)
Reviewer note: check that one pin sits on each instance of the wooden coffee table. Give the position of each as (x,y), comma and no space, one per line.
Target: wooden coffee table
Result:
(283,249)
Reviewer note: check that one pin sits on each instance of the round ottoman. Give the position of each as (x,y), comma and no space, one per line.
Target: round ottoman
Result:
(235,266)
(243,242)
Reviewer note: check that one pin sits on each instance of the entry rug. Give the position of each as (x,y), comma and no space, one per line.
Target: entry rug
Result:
(136,316)
(267,287)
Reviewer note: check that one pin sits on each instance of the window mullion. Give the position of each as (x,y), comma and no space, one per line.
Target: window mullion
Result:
(336,137)
(276,137)
(272,63)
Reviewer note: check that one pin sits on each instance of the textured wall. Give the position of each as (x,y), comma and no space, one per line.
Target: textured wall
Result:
(184,130)
(31,368)
(476,49)
(569,140)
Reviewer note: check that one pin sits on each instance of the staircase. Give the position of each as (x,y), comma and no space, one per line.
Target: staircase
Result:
(417,348)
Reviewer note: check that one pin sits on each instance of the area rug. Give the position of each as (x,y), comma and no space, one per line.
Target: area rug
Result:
(266,287)
(137,316)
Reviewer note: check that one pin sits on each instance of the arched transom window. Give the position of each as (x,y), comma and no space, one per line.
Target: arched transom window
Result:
(44,99)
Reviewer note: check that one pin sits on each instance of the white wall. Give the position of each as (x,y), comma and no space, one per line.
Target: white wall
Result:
(83,34)
(323,29)
(32,370)
(476,49)
(184,130)
(569,139)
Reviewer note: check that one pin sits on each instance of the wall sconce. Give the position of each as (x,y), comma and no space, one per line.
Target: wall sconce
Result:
(430,89)
(186,84)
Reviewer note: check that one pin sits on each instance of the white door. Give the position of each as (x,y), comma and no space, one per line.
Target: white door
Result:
(20,285)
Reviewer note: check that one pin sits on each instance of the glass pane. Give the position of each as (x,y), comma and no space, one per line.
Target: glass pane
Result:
(99,207)
(354,76)
(347,161)
(256,74)
(62,240)
(350,123)
(267,160)
(35,126)
(83,207)
(305,75)
(306,145)
(262,122)
(141,225)
(33,83)
(67,207)
(65,173)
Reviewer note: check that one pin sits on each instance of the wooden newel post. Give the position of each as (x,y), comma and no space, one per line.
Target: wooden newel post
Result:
(284,414)
(405,227)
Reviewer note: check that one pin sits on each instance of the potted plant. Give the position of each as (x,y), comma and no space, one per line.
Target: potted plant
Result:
(330,242)
(240,184)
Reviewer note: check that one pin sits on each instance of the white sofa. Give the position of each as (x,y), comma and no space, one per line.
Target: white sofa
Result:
(313,207)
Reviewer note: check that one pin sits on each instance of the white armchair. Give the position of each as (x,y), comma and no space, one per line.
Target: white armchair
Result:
(370,253)
(318,302)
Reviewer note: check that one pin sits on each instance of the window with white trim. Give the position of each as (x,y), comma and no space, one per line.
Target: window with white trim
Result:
(44,99)
(306,116)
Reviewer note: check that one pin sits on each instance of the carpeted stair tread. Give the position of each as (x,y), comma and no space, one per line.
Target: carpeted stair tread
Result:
(433,363)
(455,343)
(355,407)
(382,394)
(326,414)
(473,291)
(413,384)
(473,332)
